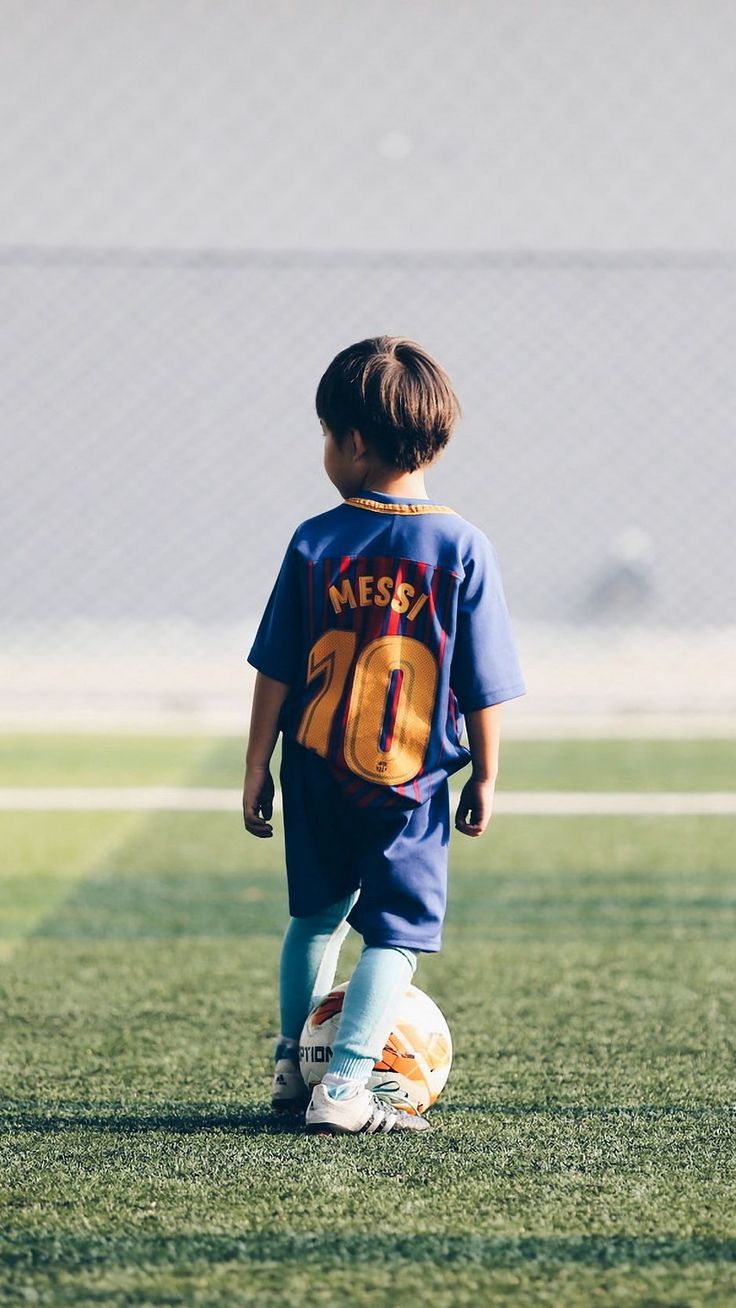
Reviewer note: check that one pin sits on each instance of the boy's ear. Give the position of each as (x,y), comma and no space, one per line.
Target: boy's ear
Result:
(358,447)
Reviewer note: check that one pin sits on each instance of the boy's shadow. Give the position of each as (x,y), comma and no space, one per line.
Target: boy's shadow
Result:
(179,1119)
(241,1119)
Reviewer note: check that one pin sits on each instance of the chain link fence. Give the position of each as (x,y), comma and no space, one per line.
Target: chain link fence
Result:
(157,412)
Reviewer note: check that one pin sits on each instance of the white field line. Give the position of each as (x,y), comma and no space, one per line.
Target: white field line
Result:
(210,800)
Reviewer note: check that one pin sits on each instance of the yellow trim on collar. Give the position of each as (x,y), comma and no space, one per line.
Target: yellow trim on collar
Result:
(378,506)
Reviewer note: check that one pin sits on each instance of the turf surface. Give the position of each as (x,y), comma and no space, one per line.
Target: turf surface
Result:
(584,1151)
(129,760)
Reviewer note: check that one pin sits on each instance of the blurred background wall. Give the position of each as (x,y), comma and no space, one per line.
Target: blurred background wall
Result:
(203,202)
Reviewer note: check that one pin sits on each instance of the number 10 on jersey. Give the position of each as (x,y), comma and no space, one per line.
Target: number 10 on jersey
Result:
(389,717)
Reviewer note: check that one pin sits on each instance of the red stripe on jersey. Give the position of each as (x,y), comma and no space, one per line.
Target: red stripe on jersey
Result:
(376,616)
(374,794)
(434,592)
(419,590)
(384,611)
(425,625)
(394,622)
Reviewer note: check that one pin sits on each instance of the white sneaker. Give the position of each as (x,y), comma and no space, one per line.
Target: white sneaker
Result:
(361,1113)
(289,1090)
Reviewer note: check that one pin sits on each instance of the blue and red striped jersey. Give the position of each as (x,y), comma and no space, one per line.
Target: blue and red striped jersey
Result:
(388,622)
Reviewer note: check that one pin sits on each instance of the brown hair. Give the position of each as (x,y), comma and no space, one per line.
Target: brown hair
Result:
(395,394)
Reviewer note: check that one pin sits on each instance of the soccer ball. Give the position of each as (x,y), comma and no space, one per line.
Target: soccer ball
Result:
(416,1058)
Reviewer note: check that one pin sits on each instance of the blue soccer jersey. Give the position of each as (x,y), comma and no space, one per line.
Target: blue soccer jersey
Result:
(388,621)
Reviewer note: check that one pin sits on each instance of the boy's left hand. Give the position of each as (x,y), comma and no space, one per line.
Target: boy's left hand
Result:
(258,792)
(476,803)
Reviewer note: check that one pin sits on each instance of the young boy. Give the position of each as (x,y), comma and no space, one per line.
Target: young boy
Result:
(386,626)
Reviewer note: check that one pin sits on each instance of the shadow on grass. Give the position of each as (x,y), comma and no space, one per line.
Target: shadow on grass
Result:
(590,1110)
(179,1119)
(188,1119)
(156,905)
(76,1252)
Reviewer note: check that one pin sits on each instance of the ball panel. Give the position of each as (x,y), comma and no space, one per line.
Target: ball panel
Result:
(328,1007)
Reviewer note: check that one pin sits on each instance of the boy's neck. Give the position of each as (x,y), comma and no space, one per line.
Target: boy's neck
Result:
(408,485)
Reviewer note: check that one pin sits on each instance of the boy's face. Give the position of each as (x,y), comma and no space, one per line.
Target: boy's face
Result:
(346,465)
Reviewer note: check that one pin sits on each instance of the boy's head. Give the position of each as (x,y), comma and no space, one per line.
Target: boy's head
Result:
(395,395)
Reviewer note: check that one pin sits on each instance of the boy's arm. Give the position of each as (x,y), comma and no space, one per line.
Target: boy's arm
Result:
(476,800)
(258,787)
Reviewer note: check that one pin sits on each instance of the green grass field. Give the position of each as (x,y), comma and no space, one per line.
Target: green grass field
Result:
(585,1148)
(124,760)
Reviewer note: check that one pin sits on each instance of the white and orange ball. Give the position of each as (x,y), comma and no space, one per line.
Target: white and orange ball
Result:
(416,1059)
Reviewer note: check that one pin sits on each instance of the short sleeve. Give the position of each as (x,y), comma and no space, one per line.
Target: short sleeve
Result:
(277,648)
(485,664)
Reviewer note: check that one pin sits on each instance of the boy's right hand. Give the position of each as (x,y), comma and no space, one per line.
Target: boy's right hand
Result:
(476,803)
(258,792)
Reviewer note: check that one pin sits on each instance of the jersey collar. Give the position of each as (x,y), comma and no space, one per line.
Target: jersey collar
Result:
(380,502)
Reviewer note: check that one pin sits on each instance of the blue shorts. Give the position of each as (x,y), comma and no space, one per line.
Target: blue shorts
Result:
(397,857)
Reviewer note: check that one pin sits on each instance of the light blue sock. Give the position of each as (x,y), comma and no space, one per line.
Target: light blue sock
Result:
(309,957)
(372,997)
